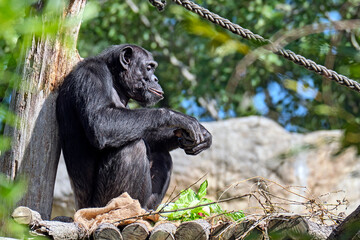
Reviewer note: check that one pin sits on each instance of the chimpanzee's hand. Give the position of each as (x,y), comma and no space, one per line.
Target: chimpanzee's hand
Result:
(189,146)
(188,125)
(202,145)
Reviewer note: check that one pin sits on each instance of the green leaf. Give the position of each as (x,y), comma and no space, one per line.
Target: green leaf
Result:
(202,189)
(187,196)
(215,208)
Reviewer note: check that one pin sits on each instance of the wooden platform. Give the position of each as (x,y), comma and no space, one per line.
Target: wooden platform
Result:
(274,226)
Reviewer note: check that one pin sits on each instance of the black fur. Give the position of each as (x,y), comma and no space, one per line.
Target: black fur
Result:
(110,149)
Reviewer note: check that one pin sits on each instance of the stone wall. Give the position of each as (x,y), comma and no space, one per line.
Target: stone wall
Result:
(253,146)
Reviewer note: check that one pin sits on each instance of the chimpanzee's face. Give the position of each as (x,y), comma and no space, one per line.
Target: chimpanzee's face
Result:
(139,79)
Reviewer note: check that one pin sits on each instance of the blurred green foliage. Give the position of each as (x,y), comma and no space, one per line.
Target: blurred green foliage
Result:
(10,193)
(198,61)
(11,17)
(20,22)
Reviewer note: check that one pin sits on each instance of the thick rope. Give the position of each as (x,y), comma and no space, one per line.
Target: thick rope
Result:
(159,4)
(247,34)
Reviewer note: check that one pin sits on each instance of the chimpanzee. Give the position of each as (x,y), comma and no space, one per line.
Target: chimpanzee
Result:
(110,149)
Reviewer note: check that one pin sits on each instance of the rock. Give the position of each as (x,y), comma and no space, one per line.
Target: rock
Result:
(256,146)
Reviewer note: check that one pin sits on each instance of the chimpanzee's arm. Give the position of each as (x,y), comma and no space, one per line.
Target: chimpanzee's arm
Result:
(162,139)
(172,138)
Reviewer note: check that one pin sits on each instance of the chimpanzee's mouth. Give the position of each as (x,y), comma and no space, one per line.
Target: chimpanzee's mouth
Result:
(157,92)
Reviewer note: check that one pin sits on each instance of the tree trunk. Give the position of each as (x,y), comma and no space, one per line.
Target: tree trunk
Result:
(35,142)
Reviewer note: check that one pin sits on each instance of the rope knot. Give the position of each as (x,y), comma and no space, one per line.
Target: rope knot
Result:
(159,4)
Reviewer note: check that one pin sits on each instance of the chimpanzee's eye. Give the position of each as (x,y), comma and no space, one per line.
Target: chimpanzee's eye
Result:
(151,65)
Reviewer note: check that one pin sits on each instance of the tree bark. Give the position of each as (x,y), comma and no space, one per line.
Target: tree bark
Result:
(35,142)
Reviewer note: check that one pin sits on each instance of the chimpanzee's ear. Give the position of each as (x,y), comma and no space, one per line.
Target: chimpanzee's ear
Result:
(125,57)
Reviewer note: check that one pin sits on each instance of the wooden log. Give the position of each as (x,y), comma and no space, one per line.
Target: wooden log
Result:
(218,230)
(135,231)
(199,230)
(287,227)
(317,231)
(61,230)
(296,227)
(57,230)
(239,231)
(107,231)
(24,215)
(164,231)
(349,228)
